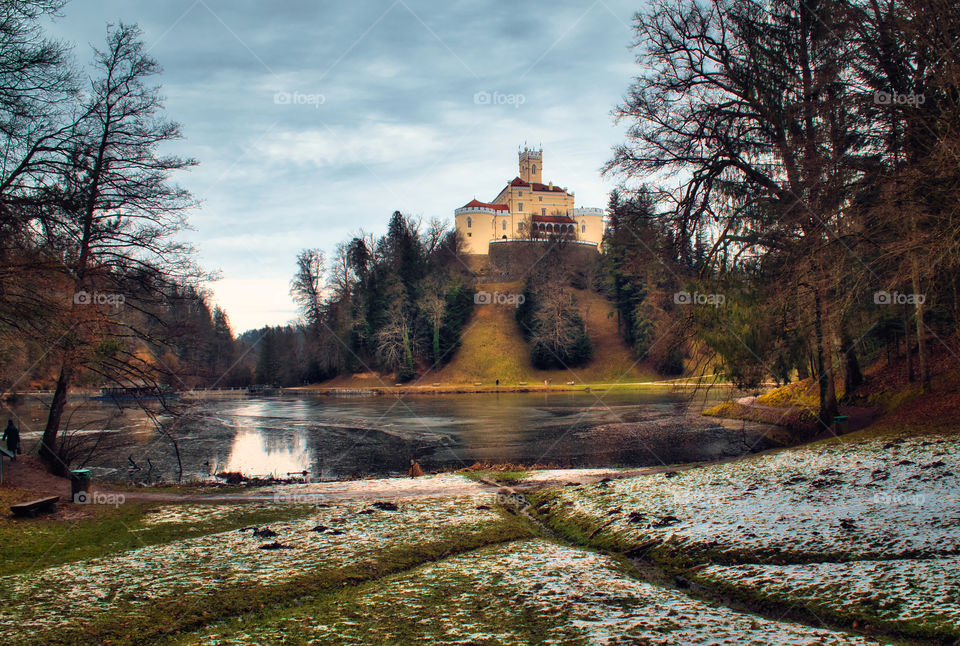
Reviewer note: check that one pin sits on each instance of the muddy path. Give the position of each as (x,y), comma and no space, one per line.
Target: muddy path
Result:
(28,475)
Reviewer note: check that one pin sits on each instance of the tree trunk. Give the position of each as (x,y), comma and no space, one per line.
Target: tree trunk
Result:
(803,370)
(921,336)
(831,409)
(48,446)
(853,377)
(922,351)
(906,348)
(828,396)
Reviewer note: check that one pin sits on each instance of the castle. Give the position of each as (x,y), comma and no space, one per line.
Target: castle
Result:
(527,209)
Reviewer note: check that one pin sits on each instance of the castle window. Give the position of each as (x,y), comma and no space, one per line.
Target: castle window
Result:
(503,224)
(519,206)
(469,222)
(543,211)
(534,168)
(541,197)
(583,228)
(519,193)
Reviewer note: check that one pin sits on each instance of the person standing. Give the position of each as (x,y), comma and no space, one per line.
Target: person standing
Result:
(415,470)
(11,435)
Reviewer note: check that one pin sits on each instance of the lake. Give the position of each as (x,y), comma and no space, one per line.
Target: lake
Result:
(333,437)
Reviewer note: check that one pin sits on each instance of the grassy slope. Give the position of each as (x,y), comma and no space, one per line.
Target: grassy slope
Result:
(493,348)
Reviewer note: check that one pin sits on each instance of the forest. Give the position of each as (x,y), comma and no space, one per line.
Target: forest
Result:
(799,162)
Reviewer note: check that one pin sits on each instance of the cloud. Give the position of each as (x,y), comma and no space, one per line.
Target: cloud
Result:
(398,128)
(370,144)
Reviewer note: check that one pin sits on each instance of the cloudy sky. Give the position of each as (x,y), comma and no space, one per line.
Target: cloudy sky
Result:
(312,119)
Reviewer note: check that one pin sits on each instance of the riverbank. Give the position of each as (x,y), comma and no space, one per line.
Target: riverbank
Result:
(374,387)
(801,420)
(848,541)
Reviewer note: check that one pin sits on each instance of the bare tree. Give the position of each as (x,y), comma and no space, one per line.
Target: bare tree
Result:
(306,288)
(117,211)
(35,80)
(433,236)
(434,306)
(396,345)
(749,103)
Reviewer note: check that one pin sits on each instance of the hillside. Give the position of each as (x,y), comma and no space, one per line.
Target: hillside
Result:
(493,348)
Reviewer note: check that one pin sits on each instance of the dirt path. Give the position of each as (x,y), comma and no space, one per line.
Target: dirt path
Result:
(28,475)
(26,479)
(345,491)
(858,417)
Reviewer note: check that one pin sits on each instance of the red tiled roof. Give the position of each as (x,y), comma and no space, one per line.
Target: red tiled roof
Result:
(479,204)
(544,187)
(562,219)
(537,186)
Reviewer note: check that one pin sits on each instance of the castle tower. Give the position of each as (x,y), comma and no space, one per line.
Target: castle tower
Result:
(531,165)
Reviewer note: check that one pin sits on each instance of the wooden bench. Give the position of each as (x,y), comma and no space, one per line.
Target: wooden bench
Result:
(32,508)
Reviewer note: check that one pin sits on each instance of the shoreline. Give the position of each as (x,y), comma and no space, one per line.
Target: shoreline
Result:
(421,389)
(468,389)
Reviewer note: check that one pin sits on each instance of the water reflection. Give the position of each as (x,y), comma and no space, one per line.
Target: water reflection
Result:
(335,438)
(260,453)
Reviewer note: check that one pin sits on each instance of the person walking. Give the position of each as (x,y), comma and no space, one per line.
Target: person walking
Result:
(11,435)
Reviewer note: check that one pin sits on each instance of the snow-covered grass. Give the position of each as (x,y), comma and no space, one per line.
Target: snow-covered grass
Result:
(444,484)
(840,501)
(127,582)
(568,474)
(528,592)
(198,514)
(919,596)
(80,533)
(866,531)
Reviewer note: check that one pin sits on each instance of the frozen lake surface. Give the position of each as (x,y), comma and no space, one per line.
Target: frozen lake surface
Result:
(343,437)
